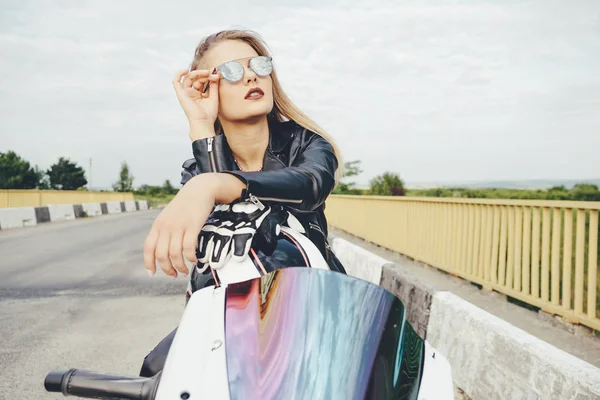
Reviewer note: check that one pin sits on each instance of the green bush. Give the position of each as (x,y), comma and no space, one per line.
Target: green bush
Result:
(387,184)
(580,192)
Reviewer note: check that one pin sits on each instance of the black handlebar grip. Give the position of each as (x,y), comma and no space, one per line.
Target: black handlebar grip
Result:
(53,381)
(96,385)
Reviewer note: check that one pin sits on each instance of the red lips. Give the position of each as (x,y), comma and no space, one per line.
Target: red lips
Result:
(254,90)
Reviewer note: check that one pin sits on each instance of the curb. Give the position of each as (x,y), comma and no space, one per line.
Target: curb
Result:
(490,358)
(20,217)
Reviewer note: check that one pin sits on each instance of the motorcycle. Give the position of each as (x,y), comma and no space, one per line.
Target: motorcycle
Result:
(283,327)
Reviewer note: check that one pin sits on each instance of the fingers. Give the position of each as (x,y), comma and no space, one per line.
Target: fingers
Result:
(177,79)
(193,84)
(213,90)
(149,248)
(220,251)
(190,241)
(175,252)
(203,240)
(162,253)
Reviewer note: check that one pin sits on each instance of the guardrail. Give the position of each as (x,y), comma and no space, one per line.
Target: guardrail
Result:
(544,253)
(35,198)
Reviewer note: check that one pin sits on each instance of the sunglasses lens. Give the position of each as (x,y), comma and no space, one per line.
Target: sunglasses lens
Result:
(233,71)
(261,65)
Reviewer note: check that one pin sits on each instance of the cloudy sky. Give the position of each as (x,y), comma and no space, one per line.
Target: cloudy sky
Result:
(433,90)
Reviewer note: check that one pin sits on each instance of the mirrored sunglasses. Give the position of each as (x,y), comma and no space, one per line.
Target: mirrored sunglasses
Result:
(233,71)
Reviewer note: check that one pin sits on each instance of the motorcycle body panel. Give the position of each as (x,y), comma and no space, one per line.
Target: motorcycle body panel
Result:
(299,333)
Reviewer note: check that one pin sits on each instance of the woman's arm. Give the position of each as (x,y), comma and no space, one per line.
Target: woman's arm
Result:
(174,234)
(304,185)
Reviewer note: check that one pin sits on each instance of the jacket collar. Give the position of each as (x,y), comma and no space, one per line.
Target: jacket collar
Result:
(280,134)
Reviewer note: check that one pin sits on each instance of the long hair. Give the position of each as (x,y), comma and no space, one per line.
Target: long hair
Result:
(283,108)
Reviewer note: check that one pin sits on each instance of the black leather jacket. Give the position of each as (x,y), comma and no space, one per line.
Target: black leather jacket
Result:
(298,172)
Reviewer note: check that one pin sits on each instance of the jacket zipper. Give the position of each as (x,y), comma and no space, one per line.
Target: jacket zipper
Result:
(293,201)
(211,155)
(257,201)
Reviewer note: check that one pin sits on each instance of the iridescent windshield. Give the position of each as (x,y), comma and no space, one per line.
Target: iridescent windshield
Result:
(301,333)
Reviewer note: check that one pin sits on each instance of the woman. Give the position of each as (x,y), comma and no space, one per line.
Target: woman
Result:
(248,141)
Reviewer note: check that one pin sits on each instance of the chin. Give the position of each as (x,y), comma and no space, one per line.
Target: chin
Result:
(253,112)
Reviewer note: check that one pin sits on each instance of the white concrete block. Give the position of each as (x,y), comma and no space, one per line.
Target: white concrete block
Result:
(61,212)
(130,206)
(492,359)
(143,204)
(92,209)
(114,207)
(359,262)
(17,217)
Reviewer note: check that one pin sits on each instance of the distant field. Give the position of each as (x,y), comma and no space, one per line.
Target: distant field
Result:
(578,193)
(154,201)
(532,184)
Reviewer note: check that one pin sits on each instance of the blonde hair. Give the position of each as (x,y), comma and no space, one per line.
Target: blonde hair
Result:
(283,108)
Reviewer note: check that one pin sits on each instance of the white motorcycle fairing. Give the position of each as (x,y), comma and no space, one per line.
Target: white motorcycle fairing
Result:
(301,333)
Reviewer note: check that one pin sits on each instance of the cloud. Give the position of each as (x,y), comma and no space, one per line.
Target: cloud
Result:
(432,90)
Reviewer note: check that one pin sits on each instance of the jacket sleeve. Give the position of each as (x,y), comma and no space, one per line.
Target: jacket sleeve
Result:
(210,155)
(304,185)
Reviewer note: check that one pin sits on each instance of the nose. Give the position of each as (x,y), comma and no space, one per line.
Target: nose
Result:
(249,75)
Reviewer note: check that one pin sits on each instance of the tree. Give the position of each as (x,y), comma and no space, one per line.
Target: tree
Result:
(66,175)
(168,188)
(125,182)
(388,184)
(351,168)
(16,173)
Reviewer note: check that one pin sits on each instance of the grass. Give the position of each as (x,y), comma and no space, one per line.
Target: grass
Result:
(156,201)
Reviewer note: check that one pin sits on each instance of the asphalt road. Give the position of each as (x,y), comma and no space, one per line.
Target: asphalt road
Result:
(76,294)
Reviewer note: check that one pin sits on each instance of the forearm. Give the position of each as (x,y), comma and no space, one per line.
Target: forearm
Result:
(229,188)
(222,188)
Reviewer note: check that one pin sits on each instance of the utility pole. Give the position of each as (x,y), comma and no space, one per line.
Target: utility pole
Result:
(90,184)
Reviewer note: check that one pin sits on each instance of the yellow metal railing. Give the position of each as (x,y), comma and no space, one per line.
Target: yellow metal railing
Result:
(544,253)
(36,198)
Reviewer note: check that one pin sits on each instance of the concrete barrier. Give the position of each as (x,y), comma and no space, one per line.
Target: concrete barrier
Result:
(61,212)
(359,262)
(92,209)
(78,211)
(492,359)
(130,206)
(415,293)
(30,216)
(113,207)
(42,214)
(17,217)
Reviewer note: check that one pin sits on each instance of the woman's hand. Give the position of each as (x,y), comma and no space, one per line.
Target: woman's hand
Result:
(200,109)
(174,234)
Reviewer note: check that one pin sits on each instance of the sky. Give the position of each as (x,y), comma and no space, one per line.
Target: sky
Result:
(432,90)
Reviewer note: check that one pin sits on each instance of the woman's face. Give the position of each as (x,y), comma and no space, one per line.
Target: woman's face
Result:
(234,104)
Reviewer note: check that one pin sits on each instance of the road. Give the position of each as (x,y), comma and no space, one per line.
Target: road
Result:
(76,294)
